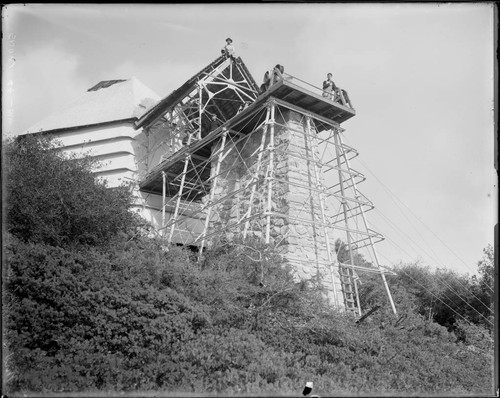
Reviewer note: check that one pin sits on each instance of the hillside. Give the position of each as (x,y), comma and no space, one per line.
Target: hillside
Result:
(93,304)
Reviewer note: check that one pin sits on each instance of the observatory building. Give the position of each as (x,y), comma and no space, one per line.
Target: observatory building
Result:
(221,158)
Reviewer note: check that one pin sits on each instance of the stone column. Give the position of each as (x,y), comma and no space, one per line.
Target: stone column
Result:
(297,220)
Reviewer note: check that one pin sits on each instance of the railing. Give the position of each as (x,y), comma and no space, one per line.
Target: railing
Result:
(339,95)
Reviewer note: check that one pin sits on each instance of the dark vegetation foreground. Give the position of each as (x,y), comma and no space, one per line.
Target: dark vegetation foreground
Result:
(92,304)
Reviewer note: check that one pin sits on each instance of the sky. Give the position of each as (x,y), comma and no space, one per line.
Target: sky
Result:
(420,76)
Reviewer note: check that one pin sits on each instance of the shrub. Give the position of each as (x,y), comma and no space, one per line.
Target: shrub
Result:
(138,316)
(76,321)
(55,199)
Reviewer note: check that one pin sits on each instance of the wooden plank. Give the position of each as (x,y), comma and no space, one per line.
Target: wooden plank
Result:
(317,99)
(368,314)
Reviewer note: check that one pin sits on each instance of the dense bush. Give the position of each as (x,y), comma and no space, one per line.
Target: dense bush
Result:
(137,317)
(91,305)
(441,295)
(55,199)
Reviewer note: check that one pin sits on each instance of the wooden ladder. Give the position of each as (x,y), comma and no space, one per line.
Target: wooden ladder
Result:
(347,282)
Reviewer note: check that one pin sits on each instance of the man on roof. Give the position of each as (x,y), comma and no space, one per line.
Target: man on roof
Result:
(228,49)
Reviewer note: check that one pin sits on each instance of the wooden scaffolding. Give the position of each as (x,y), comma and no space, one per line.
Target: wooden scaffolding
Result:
(275,169)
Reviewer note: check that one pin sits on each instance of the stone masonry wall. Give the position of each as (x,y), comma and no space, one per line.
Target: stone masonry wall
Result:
(296,211)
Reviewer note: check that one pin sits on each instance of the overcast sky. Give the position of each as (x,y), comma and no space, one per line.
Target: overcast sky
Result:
(420,76)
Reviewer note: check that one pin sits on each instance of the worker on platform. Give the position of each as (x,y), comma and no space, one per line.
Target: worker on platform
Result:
(329,88)
(278,73)
(265,84)
(228,49)
(346,98)
(271,77)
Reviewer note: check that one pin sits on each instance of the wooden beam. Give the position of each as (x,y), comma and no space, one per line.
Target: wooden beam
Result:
(368,314)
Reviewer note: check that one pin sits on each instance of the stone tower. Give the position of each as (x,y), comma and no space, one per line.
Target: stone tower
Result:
(269,163)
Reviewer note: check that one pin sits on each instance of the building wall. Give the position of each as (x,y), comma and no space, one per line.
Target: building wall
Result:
(156,143)
(113,146)
(189,227)
(120,151)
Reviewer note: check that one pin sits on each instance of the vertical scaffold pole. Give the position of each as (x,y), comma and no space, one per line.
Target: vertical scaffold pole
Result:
(163,197)
(256,175)
(344,208)
(212,190)
(372,244)
(146,133)
(200,110)
(313,149)
(179,197)
(270,173)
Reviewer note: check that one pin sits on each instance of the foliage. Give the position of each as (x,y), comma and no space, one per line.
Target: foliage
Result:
(91,319)
(486,282)
(139,317)
(441,295)
(98,307)
(56,199)
(486,267)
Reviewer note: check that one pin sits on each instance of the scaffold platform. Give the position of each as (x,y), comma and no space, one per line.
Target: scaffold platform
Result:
(288,90)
